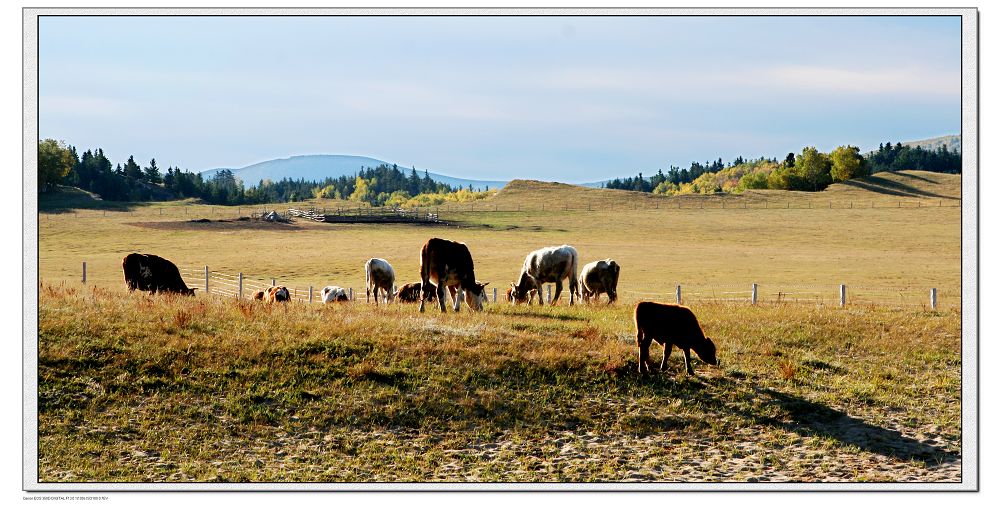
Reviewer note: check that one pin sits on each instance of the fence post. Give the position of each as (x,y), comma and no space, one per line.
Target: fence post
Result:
(843,295)
(85,273)
(272,282)
(494,294)
(241,285)
(753,297)
(934,298)
(206,279)
(548,294)
(310,294)
(678,294)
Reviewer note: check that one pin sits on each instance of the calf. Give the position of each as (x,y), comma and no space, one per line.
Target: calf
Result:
(333,294)
(410,292)
(379,278)
(275,294)
(670,325)
(599,277)
(510,295)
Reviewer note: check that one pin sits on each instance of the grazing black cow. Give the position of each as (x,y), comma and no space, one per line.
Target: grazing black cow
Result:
(151,273)
(446,263)
(670,325)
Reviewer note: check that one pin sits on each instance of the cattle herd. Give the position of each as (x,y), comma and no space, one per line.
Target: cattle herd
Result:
(448,265)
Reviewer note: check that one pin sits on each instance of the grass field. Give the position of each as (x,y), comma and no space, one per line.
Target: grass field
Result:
(156,388)
(906,247)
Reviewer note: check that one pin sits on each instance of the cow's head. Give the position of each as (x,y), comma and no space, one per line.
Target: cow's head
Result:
(521,291)
(706,351)
(476,297)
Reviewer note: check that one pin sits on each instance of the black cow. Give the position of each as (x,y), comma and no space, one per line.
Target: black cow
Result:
(671,325)
(446,263)
(151,273)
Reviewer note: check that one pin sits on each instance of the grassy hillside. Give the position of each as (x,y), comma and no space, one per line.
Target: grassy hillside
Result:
(156,388)
(886,189)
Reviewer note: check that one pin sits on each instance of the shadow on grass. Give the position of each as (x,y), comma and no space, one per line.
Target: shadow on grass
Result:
(809,418)
(879,184)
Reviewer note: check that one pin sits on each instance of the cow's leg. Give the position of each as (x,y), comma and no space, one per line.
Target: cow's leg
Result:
(457,295)
(687,361)
(643,344)
(667,348)
(573,289)
(539,286)
(558,291)
(441,296)
(423,295)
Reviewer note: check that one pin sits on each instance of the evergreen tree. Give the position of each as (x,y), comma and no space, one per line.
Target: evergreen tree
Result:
(152,173)
(132,169)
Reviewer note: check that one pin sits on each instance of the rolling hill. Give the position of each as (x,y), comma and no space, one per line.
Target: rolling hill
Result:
(884,188)
(320,167)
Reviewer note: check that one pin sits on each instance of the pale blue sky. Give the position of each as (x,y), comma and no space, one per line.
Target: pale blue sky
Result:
(559,98)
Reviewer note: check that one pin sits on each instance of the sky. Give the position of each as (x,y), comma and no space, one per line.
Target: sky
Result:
(571,99)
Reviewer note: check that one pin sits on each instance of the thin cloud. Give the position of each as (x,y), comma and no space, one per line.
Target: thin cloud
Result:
(900,81)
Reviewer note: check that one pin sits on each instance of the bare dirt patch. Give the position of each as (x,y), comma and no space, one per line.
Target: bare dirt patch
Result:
(220,225)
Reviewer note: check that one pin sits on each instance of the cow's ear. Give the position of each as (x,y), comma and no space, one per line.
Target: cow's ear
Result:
(486,283)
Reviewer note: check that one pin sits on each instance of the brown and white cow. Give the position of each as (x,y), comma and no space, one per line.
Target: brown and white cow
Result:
(410,292)
(379,279)
(333,294)
(670,325)
(509,295)
(273,294)
(151,273)
(445,263)
(599,277)
(546,265)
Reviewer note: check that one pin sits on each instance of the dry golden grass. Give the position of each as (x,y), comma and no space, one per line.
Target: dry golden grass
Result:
(914,249)
(353,393)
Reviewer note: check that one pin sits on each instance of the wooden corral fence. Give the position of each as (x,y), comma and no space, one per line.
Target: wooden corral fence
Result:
(367,215)
(239,285)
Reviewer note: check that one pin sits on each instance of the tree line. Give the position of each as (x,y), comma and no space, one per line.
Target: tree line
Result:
(94,172)
(810,170)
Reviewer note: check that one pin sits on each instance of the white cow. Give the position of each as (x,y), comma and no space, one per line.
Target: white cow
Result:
(379,276)
(599,277)
(547,265)
(333,294)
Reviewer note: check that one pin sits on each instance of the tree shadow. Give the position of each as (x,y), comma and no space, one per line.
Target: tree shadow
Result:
(879,184)
(919,178)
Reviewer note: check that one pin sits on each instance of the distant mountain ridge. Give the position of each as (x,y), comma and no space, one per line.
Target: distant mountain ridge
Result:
(952,142)
(320,167)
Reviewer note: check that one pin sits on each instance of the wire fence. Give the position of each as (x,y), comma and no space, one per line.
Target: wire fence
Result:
(239,285)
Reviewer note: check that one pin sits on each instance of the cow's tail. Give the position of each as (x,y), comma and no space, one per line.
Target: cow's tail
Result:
(368,280)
